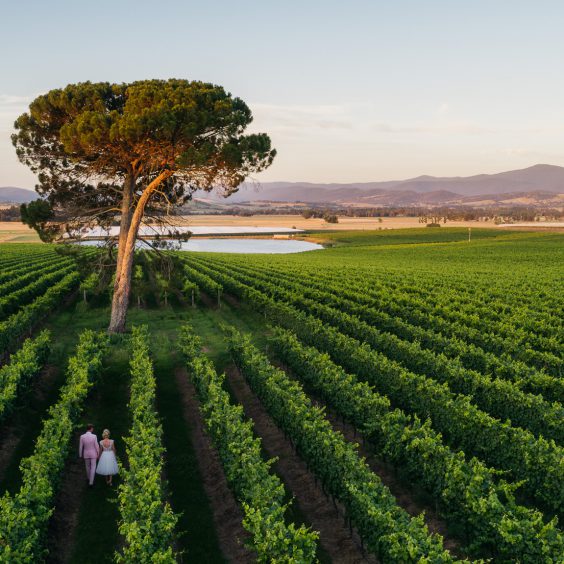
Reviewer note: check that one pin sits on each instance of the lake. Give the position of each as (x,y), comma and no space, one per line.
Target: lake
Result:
(248,245)
(242,245)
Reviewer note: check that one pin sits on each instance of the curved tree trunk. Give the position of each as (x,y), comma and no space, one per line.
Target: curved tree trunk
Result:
(120,301)
(126,253)
(126,213)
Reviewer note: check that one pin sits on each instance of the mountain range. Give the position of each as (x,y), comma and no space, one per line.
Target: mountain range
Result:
(537,185)
(13,195)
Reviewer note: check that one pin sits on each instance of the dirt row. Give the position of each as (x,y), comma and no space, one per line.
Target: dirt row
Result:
(319,512)
(63,522)
(408,497)
(311,500)
(18,433)
(227,514)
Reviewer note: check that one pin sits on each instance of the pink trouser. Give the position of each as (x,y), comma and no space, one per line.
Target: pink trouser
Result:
(90,469)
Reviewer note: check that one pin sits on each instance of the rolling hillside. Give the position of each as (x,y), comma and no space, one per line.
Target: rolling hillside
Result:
(536,185)
(13,195)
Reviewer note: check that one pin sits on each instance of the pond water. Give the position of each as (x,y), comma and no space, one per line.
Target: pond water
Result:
(240,245)
(152,230)
(249,245)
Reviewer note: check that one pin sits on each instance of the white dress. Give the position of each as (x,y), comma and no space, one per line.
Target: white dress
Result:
(107,465)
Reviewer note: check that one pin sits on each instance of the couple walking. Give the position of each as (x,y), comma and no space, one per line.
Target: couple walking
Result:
(104,453)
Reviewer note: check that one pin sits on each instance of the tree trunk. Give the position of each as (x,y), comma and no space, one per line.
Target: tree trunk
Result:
(122,289)
(126,252)
(126,213)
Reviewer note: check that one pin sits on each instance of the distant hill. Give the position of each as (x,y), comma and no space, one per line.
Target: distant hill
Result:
(13,195)
(540,181)
(538,185)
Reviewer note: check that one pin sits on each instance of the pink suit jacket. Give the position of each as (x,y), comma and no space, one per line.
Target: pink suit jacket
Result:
(88,447)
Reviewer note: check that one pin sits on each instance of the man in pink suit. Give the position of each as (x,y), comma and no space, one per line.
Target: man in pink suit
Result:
(89,450)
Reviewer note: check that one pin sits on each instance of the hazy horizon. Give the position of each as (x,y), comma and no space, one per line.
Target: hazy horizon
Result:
(375,180)
(356,92)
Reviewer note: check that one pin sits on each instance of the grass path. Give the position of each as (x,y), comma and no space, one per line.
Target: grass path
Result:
(197,540)
(84,528)
(98,515)
(21,429)
(96,533)
(93,528)
(19,432)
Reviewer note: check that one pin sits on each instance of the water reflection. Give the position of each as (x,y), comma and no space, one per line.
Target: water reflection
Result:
(241,245)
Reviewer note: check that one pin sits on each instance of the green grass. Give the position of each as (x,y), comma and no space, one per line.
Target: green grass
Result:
(97,529)
(509,262)
(99,514)
(407,236)
(96,535)
(26,421)
(31,238)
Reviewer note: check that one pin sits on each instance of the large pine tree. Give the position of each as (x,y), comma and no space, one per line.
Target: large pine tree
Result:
(106,152)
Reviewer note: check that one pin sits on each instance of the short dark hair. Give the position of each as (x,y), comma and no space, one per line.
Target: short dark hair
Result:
(89,427)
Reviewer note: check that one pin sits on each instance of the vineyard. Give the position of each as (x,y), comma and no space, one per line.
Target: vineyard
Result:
(396,398)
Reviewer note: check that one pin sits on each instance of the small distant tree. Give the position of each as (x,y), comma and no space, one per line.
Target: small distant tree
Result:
(306,214)
(10,214)
(331,218)
(107,153)
(38,215)
(89,285)
(163,287)
(433,219)
(139,284)
(190,290)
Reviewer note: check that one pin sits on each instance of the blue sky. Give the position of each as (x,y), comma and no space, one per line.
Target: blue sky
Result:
(348,91)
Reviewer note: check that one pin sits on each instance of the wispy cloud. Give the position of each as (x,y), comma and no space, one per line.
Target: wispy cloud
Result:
(296,118)
(299,119)
(462,127)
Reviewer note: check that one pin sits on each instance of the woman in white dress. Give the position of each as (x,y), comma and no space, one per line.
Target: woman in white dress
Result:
(107,462)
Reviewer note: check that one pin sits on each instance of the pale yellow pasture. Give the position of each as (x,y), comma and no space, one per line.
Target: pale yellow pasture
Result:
(16,232)
(297,221)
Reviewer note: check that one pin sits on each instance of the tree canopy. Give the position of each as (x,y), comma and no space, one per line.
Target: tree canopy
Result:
(85,140)
(106,151)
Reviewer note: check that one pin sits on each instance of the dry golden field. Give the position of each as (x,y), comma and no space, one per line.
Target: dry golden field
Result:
(14,232)
(345,223)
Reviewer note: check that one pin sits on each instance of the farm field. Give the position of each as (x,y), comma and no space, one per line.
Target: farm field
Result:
(15,232)
(395,398)
(318,224)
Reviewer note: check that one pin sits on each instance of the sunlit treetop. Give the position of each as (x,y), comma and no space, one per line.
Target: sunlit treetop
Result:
(191,132)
